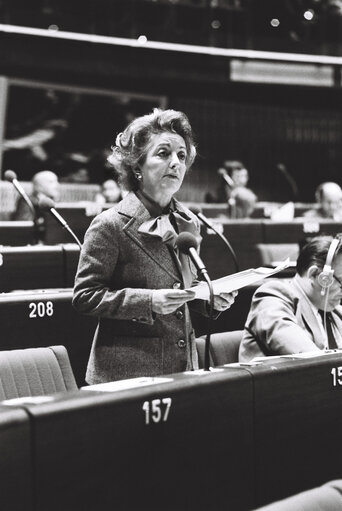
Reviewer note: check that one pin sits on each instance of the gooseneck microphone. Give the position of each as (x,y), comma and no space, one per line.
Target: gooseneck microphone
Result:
(47,204)
(198,212)
(11,176)
(223,173)
(187,243)
(294,188)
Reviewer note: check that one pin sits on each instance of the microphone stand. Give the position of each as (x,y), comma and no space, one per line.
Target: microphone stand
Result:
(65,226)
(209,324)
(23,194)
(223,238)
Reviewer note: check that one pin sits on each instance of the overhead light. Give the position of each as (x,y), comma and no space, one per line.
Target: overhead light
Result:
(275,22)
(309,14)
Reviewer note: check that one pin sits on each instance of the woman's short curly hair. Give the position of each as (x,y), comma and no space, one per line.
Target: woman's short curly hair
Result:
(131,145)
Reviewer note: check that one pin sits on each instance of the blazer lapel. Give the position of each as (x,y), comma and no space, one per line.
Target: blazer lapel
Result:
(135,211)
(306,315)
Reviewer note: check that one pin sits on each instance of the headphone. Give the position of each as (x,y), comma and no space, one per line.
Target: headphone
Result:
(326,277)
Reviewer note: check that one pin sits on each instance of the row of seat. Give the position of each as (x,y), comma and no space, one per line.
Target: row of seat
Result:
(46,317)
(69,192)
(39,371)
(235,438)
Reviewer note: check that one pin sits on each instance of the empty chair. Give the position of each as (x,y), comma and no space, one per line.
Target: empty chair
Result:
(325,498)
(35,372)
(224,348)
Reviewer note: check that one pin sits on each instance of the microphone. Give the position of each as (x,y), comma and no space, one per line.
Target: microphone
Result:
(47,204)
(187,243)
(294,188)
(198,212)
(11,176)
(222,172)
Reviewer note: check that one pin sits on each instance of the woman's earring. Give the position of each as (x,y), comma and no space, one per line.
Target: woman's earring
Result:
(138,176)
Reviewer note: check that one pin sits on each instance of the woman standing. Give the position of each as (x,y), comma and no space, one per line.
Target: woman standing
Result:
(130,274)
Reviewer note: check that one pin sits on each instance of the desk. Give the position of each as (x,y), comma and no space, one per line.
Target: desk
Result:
(38,267)
(242,235)
(234,438)
(77,215)
(16,460)
(298,230)
(298,423)
(45,318)
(31,267)
(17,233)
(104,450)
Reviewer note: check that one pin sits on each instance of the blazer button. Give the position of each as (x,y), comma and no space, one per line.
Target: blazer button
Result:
(176,285)
(179,315)
(181,343)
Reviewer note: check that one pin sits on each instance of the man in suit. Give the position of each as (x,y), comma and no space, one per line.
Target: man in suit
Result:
(44,184)
(300,315)
(329,199)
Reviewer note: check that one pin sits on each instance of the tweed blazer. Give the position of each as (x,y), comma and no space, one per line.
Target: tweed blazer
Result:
(118,269)
(281,321)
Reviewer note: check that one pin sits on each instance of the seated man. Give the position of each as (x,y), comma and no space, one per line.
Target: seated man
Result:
(329,198)
(44,183)
(241,203)
(286,316)
(233,174)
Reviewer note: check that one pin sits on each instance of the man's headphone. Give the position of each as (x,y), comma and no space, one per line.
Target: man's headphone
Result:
(326,277)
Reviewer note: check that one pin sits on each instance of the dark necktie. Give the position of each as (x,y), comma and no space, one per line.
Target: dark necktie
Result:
(331,338)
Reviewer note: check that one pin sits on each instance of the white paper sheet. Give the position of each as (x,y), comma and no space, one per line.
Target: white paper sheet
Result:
(237,280)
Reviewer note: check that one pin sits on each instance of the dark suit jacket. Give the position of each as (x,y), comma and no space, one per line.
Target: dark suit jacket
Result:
(118,269)
(281,321)
(22,211)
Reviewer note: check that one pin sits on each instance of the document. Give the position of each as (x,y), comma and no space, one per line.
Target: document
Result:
(237,280)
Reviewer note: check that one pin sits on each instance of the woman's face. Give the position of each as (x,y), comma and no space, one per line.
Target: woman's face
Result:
(164,167)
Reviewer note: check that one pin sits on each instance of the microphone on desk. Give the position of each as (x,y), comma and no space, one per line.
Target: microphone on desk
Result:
(198,212)
(294,188)
(47,204)
(11,176)
(187,244)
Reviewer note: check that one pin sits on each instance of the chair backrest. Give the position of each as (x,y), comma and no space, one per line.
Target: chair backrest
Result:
(325,498)
(224,348)
(34,372)
(268,253)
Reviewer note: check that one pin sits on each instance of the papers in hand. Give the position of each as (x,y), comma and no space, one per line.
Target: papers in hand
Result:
(237,280)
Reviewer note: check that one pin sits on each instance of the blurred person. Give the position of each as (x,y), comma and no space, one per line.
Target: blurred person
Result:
(329,199)
(234,175)
(131,275)
(237,171)
(241,203)
(44,184)
(286,316)
(110,192)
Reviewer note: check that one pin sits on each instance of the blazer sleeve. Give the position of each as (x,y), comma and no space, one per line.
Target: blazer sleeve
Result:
(273,323)
(97,263)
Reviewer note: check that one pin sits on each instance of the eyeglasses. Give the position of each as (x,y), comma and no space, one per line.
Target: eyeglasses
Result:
(339,282)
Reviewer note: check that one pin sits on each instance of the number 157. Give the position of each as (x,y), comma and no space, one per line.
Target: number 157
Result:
(157,410)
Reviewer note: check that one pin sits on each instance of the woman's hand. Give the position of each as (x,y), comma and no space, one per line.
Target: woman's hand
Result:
(223,301)
(165,301)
